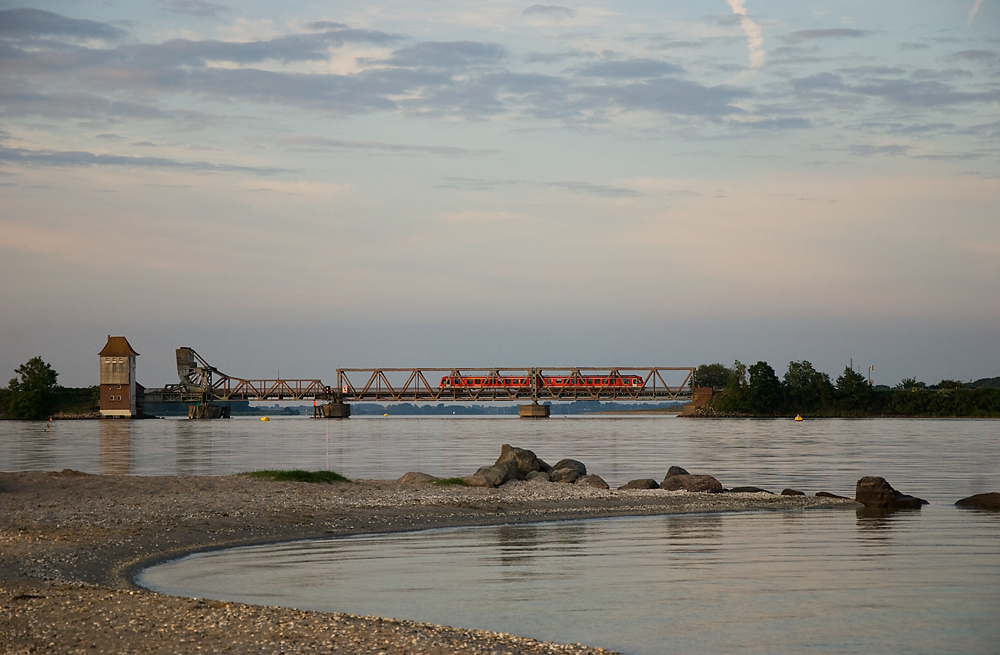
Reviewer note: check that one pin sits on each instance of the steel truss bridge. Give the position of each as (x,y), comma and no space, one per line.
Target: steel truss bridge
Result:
(203,384)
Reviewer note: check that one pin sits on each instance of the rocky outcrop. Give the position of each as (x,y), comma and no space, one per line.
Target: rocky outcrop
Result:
(500,472)
(827,494)
(644,483)
(595,481)
(537,476)
(689,482)
(792,492)
(567,470)
(414,477)
(981,501)
(477,481)
(676,470)
(526,460)
(875,493)
(749,490)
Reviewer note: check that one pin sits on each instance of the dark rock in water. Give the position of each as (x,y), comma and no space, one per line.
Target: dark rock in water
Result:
(644,483)
(792,492)
(567,470)
(525,459)
(414,476)
(981,501)
(676,470)
(477,481)
(749,490)
(592,481)
(875,492)
(537,476)
(827,494)
(688,482)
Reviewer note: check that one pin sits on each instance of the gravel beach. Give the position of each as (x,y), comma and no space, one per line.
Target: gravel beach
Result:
(70,544)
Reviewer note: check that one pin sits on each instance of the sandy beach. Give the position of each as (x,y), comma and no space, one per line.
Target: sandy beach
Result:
(70,545)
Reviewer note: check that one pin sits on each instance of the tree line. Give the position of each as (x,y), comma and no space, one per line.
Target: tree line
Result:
(34,394)
(757,391)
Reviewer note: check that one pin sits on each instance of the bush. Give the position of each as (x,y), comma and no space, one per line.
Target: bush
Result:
(298,475)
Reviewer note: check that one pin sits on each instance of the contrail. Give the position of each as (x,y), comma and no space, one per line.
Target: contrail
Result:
(755,41)
(974,11)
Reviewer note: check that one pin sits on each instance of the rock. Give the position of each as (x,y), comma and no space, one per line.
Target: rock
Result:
(526,460)
(875,492)
(414,476)
(537,476)
(827,494)
(595,481)
(542,466)
(792,492)
(563,475)
(676,470)
(689,482)
(981,501)
(567,470)
(644,483)
(499,473)
(477,481)
(749,490)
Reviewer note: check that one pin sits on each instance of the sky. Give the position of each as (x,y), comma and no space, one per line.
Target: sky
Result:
(300,186)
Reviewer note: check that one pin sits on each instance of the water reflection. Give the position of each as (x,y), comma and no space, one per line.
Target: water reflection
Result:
(115,447)
(693,534)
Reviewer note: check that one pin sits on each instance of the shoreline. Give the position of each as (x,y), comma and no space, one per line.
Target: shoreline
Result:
(72,544)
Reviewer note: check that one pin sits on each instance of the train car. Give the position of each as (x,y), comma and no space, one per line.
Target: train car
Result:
(479,382)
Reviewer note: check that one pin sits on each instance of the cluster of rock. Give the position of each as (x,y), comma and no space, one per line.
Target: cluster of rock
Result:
(522,464)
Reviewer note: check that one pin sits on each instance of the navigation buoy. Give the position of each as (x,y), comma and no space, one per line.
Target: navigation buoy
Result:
(799,418)
(264,418)
(385,415)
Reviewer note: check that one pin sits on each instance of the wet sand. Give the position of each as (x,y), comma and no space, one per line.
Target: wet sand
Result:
(71,543)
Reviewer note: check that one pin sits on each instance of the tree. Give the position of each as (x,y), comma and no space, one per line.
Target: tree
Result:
(764,389)
(734,396)
(711,375)
(31,392)
(853,391)
(808,389)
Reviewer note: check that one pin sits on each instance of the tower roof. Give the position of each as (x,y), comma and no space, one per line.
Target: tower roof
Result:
(117,347)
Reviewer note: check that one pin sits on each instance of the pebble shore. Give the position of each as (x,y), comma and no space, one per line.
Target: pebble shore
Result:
(70,545)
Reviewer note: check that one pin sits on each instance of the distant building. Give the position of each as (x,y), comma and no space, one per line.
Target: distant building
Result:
(120,394)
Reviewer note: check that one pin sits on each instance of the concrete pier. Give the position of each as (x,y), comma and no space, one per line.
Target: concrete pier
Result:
(332,410)
(534,410)
(208,411)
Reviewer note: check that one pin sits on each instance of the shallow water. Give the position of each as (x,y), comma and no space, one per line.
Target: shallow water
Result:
(819,581)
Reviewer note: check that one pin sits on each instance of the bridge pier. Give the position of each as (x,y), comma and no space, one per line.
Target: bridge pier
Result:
(534,410)
(207,410)
(335,409)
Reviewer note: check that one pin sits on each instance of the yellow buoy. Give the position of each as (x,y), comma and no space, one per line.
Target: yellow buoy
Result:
(385,415)
(264,418)
(799,418)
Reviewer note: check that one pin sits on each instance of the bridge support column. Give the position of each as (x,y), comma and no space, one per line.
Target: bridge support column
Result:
(208,411)
(534,410)
(332,410)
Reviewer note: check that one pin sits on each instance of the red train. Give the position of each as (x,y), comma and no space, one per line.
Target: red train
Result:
(551,382)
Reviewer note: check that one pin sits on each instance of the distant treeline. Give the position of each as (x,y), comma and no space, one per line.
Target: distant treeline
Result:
(757,391)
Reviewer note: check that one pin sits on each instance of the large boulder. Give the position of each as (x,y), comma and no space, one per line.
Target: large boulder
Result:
(567,470)
(477,481)
(595,481)
(499,473)
(537,476)
(676,470)
(749,490)
(525,459)
(689,482)
(875,493)
(644,483)
(414,476)
(792,492)
(981,501)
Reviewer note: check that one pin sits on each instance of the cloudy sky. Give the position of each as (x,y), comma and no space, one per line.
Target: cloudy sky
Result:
(307,185)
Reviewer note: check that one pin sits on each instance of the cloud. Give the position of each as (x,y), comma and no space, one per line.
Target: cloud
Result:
(595,189)
(785,123)
(24,23)
(197,8)
(973,11)
(576,186)
(986,56)
(835,33)
(82,159)
(549,11)
(455,54)
(865,150)
(755,38)
(631,69)
(322,143)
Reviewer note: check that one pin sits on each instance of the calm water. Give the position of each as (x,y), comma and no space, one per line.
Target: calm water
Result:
(820,581)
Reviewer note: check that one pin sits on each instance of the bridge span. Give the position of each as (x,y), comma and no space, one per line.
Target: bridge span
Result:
(203,386)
